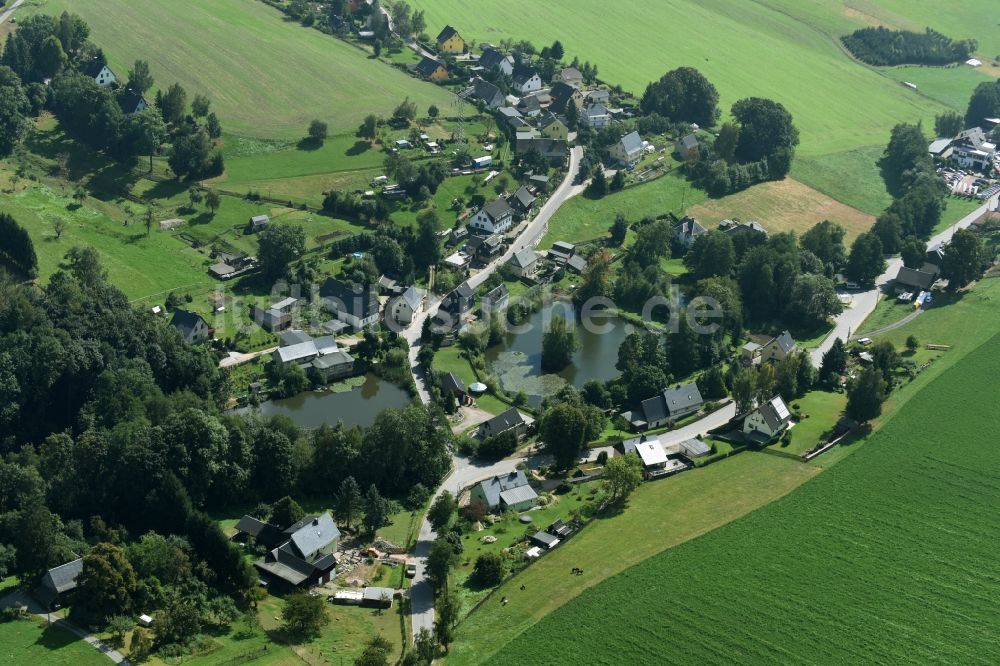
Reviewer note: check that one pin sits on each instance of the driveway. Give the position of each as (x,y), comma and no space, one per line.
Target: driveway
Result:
(848,322)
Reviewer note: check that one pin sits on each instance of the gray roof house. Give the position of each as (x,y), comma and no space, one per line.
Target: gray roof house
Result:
(670,405)
(488,93)
(522,199)
(914,278)
(453,385)
(627,150)
(258,223)
(767,421)
(778,348)
(307,556)
(687,231)
(59,581)
(496,300)
(504,491)
(429,68)
(266,534)
(354,304)
(563,93)
(524,262)
(509,420)
(493,57)
(495,217)
(191,325)
(687,146)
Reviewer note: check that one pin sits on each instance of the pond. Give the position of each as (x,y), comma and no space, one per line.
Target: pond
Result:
(517,362)
(358,406)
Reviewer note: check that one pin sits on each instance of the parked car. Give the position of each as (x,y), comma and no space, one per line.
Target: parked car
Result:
(865,341)
(411,570)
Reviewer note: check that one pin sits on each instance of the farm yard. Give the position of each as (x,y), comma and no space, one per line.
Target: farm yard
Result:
(913,496)
(266,77)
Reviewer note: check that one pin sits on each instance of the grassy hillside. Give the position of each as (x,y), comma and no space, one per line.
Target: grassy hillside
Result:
(886,557)
(265,76)
(29,642)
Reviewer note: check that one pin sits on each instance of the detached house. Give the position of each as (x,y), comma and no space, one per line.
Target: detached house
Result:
(488,94)
(431,70)
(407,305)
(356,305)
(524,263)
(307,557)
(495,217)
(192,327)
(686,231)
(492,58)
(496,300)
(552,127)
(276,318)
(628,150)
(526,79)
(131,102)
(563,94)
(511,420)
(522,200)
(59,583)
(510,492)
(258,223)
(912,278)
(595,116)
(572,76)
(768,420)
(450,42)
(687,147)
(98,70)
(777,349)
(670,405)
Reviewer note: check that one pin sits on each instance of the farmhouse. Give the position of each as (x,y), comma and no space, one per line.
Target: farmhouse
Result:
(777,349)
(495,217)
(276,318)
(493,58)
(408,304)
(767,421)
(98,70)
(306,557)
(628,150)
(356,305)
(258,223)
(524,263)
(525,79)
(509,492)
(687,147)
(595,116)
(488,94)
(192,327)
(511,420)
(686,231)
(670,405)
(450,42)
(59,583)
(431,70)
(912,278)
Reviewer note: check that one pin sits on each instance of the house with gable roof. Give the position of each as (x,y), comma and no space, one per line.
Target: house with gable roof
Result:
(405,306)
(669,405)
(450,42)
(525,79)
(508,492)
(191,325)
(778,348)
(627,151)
(495,217)
(98,70)
(59,583)
(493,58)
(307,557)
(767,421)
(431,69)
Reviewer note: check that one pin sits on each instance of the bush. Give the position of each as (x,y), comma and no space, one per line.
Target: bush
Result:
(602,458)
(489,570)
(564,488)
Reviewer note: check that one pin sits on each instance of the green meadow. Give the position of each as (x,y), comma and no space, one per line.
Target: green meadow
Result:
(266,77)
(31,642)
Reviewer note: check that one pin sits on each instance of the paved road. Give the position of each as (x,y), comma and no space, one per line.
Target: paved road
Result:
(848,322)
(10,10)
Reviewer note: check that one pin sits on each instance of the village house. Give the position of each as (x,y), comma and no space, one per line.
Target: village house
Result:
(453,386)
(554,151)
(231,264)
(525,79)
(552,127)
(530,106)
(734,227)
(509,492)
(488,94)
(511,420)
(484,248)
(307,557)
(562,94)
(972,150)
(405,306)
(276,318)
(98,70)
(512,117)
(686,231)
(767,421)
(431,70)
(940,149)
(595,116)
(750,353)
(354,304)
(495,300)
(59,583)
(599,96)
(250,529)
(524,263)
(131,102)
(457,235)
(628,150)
(454,306)
(495,217)
(918,279)
(258,223)
(560,252)
(778,349)
(450,42)
(572,76)
(656,461)
(670,405)
(522,200)
(322,356)
(493,58)
(191,325)
(687,147)
(576,264)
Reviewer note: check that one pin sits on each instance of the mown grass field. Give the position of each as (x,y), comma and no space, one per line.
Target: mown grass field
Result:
(266,77)
(30,642)
(887,557)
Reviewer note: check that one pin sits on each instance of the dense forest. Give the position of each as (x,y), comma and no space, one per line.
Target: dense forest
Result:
(882,46)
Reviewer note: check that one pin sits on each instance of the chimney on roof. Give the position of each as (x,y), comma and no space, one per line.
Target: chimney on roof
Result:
(316,520)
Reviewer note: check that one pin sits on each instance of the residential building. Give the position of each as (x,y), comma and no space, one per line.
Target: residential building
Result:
(572,76)
(455,305)
(132,102)
(431,69)
(525,79)
(491,493)
(496,300)
(450,42)
(628,150)
(59,583)
(457,235)
(972,150)
(98,70)
(511,420)
(231,264)
(452,385)
(258,223)
(553,150)
(561,251)
(935,255)
(669,405)
(530,106)
(595,117)
(656,462)
(522,200)
(333,365)
(488,93)
(495,217)
(511,117)
(552,127)
(733,227)
(191,325)
(912,278)
(260,532)
(524,263)
(767,421)
(407,305)
(686,231)
(563,94)
(353,304)
(577,264)
(493,58)
(307,557)
(778,349)
(687,147)
(276,318)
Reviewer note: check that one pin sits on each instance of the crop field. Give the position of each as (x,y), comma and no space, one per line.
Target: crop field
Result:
(266,77)
(786,205)
(887,557)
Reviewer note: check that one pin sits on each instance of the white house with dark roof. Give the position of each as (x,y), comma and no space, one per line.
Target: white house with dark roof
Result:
(405,306)
(191,325)
(628,150)
(524,263)
(98,70)
(508,492)
(687,231)
(493,58)
(670,405)
(495,217)
(525,79)
(595,116)
(354,304)
(496,300)
(778,348)
(768,420)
